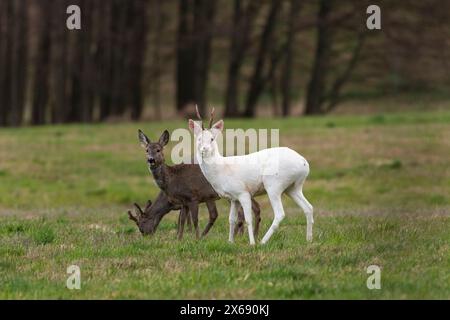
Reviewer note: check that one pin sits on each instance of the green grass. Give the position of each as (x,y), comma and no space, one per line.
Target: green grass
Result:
(379,184)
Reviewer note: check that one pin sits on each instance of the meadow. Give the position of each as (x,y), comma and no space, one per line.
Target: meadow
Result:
(379,184)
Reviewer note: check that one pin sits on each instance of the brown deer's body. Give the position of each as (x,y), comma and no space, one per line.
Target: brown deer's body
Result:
(148,219)
(183,187)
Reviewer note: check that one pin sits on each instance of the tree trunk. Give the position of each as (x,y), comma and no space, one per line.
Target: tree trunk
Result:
(42,60)
(334,95)
(6,13)
(59,61)
(257,81)
(18,61)
(185,59)
(88,67)
(75,67)
(316,86)
(204,11)
(82,67)
(138,47)
(194,51)
(286,81)
(120,17)
(242,23)
(104,60)
(156,74)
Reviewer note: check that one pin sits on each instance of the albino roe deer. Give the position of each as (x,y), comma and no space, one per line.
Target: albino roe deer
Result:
(239,178)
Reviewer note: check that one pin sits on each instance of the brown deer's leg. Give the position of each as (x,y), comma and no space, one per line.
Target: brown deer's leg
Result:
(193,208)
(240,224)
(239,228)
(179,222)
(183,213)
(212,209)
(257,212)
(189,222)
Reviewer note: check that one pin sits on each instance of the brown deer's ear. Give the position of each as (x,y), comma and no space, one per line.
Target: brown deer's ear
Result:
(143,139)
(164,139)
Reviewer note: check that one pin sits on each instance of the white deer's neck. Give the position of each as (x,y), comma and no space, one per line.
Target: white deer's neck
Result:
(211,164)
(216,154)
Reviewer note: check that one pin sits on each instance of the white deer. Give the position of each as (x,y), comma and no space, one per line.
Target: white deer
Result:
(238,178)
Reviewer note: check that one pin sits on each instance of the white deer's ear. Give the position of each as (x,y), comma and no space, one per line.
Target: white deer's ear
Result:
(143,139)
(194,126)
(218,125)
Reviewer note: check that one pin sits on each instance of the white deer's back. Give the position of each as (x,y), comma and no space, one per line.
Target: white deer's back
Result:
(231,175)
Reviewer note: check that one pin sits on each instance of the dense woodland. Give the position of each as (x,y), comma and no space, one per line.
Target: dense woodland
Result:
(135,59)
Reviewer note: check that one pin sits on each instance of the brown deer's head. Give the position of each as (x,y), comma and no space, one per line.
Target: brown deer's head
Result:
(148,219)
(142,219)
(154,150)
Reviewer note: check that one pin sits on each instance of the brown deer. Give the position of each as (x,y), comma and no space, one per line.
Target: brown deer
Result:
(184,186)
(148,219)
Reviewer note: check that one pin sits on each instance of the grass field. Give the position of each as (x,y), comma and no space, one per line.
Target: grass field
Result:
(379,184)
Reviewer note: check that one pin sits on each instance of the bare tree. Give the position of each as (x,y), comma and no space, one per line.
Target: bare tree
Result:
(286,80)
(104,59)
(58,62)
(334,95)
(195,22)
(243,20)
(258,80)
(137,56)
(120,19)
(185,58)
(6,21)
(41,65)
(316,86)
(88,47)
(19,61)
(321,99)
(75,67)
(204,12)
(100,71)
(158,17)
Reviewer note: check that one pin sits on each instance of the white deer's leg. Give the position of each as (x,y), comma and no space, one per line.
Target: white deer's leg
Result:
(278,211)
(297,195)
(232,219)
(246,202)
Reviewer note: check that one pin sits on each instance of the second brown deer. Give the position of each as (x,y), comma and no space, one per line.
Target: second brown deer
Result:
(149,218)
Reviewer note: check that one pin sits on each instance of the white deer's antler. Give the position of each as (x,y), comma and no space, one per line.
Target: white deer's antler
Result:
(211,119)
(199,116)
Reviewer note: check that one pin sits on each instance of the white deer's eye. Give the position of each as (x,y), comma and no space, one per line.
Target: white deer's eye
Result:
(212,139)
